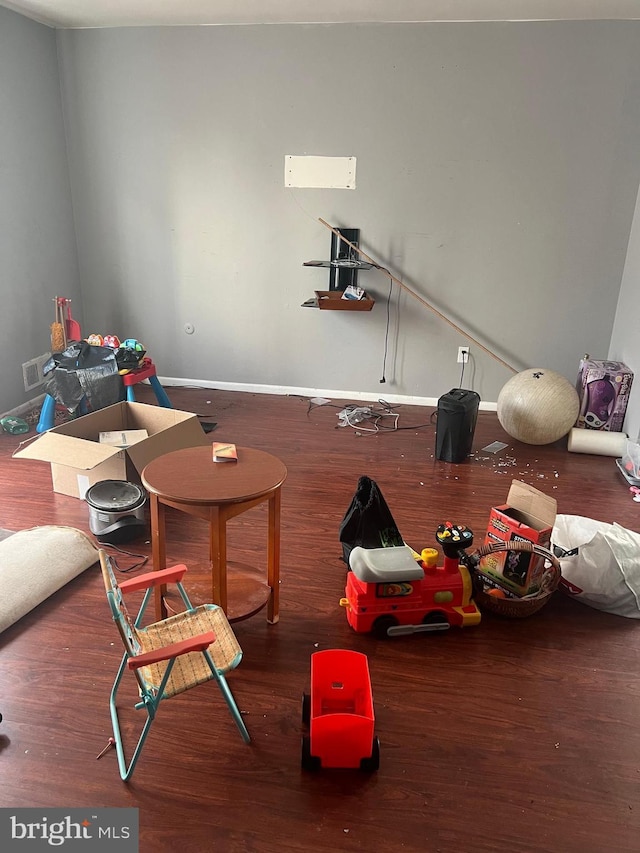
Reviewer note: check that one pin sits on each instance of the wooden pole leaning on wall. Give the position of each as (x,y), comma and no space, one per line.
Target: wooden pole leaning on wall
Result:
(419,298)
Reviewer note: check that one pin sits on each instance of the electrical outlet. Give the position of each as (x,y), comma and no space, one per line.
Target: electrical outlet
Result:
(463,355)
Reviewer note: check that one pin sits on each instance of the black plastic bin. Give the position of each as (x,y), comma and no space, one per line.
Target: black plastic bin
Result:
(456,424)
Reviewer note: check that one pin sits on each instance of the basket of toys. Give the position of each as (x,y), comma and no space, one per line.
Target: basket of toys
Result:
(493,598)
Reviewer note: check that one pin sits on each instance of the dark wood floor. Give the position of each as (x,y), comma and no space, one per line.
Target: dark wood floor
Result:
(514,736)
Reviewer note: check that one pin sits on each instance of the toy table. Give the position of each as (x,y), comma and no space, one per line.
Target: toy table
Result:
(147,370)
(189,481)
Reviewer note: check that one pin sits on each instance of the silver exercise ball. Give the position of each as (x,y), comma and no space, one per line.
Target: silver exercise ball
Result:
(538,406)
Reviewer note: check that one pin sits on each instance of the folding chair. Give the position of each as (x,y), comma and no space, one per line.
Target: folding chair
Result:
(170,656)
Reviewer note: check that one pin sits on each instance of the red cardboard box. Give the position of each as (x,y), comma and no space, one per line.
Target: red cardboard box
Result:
(528,515)
(603,388)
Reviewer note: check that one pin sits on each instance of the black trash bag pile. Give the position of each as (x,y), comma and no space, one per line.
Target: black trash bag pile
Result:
(368,521)
(128,358)
(84,372)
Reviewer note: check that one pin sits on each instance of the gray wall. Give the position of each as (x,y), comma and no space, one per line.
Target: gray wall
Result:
(497,173)
(625,342)
(37,241)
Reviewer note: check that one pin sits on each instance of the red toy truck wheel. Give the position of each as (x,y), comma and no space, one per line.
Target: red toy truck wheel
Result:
(309,762)
(306,709)
(370,765)
(381,626)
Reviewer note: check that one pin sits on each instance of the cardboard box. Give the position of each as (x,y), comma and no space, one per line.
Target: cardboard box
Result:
(603,388)
(79,460)
(528,515)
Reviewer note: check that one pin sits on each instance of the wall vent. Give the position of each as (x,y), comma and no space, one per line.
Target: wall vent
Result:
(32,371)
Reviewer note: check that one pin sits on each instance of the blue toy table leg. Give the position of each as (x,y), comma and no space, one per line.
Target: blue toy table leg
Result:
(47,414)
(161,394)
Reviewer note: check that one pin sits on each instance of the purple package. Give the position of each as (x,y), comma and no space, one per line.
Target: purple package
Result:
(603,388)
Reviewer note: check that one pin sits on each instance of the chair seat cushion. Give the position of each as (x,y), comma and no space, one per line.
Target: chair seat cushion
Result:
(192,668)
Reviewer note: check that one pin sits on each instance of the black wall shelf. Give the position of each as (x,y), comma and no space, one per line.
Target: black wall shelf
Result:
(343,266)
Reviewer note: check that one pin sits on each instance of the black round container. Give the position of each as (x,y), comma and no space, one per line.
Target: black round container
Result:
(116,510)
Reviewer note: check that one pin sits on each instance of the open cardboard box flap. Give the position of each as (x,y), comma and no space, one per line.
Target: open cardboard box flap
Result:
(60,449)
(533,505)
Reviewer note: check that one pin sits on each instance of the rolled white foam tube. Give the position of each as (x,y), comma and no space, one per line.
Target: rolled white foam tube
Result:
(599,442)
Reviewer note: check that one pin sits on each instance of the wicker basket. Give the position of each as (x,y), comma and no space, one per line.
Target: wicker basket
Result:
(517,607)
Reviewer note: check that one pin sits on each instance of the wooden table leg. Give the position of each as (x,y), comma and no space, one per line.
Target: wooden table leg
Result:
(218,556)
(158,551)
(273,558)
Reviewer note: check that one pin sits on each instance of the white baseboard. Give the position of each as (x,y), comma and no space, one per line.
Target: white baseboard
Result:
(288,391)
(281,390)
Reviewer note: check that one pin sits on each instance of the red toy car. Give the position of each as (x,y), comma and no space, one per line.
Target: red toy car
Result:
(339,713)
(390,592)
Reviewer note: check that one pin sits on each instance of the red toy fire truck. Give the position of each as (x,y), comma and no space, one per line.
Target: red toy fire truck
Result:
(390,592)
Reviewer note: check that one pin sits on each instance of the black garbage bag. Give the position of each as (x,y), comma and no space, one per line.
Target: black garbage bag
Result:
(129,358)
(83,372)
(368,521)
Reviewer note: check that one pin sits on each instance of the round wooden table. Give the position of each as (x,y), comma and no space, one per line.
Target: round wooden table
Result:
(190,481)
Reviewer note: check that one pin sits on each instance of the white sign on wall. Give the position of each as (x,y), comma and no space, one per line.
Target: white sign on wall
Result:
(316,172)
